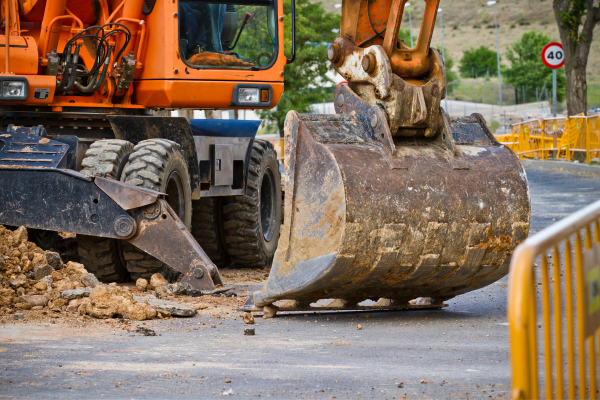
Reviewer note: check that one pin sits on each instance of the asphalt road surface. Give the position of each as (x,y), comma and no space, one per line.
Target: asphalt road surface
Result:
(461,351)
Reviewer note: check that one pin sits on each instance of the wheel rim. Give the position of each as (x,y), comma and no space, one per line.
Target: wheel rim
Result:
(174,191)
(267,204)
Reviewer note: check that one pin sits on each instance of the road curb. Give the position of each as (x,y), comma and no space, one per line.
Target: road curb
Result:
(567,166)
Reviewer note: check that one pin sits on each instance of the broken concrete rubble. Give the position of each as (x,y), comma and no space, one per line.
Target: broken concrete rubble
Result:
(37,299)
(248,318)
(174,309)
(41,271)
(106,301)
(33,279)
(157,281)
(54,260)
(62,292)
(141,284)
(89,280)
(73,294)
(178,289)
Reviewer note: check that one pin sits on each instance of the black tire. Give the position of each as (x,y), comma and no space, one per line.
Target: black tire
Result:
(251,223)
(104,257)
(207,229)
(45,240)
(158,164)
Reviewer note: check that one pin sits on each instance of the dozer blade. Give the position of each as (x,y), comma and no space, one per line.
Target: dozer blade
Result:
(372,217)
(65,200)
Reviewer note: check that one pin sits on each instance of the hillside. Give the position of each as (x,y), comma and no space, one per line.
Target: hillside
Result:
(469,23)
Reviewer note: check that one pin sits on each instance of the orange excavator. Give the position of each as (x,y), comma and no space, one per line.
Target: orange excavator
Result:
(82,152)
(388,200)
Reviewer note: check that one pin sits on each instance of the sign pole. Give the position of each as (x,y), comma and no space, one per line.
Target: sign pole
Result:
(554,57)
(554,109)
(554,94)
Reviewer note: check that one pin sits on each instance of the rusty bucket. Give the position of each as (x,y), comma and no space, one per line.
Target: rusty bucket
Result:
(371,216)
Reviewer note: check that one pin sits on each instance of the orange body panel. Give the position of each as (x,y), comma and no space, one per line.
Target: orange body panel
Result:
(162,78)
(33,10)
(178,93)
(23,55)
(379,11)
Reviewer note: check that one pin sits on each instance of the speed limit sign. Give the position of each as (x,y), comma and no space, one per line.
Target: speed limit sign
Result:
(553,55)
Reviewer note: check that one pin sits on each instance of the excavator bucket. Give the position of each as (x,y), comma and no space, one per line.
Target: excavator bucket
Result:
(391,200)
(371,216)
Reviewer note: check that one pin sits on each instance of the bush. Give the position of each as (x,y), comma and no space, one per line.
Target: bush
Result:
(478,62)
(521,20)
(450,75)
(494,125)
(484,16)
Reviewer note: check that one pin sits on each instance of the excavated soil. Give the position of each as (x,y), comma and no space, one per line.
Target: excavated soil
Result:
(37,286)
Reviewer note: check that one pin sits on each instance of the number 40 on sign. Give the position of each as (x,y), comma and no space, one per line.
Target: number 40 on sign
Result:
(553,55)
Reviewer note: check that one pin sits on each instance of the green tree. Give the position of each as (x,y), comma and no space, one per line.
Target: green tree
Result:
(305,82)
(255,40)
(451,76)
(576,22)
(478,62)
(404,35)
(527,68)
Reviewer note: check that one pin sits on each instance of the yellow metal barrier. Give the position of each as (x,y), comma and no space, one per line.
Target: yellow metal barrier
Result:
(554,128)
(530,137)
(510,140)
(593,138)
(576,137)
(569,297)
(537,138)
(279,146)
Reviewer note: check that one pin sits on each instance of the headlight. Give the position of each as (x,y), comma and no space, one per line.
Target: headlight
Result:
(251,95)
(248,95)
(13,89)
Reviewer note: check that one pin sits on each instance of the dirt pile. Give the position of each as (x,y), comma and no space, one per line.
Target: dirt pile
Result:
(31,278)
(40,285)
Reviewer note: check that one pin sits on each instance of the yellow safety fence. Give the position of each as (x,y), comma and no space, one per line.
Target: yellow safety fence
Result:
(279,145)
(557,302)
(539,137)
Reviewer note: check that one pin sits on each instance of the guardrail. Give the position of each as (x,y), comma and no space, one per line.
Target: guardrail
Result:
(569,324)
(539,137)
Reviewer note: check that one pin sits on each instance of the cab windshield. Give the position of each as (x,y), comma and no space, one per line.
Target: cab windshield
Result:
(237,36)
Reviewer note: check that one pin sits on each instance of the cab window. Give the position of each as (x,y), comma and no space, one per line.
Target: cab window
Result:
(237,36)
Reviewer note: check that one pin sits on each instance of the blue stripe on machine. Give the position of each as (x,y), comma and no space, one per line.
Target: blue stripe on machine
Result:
(224,127)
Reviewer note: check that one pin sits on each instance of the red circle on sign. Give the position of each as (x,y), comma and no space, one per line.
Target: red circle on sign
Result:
(550,53)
